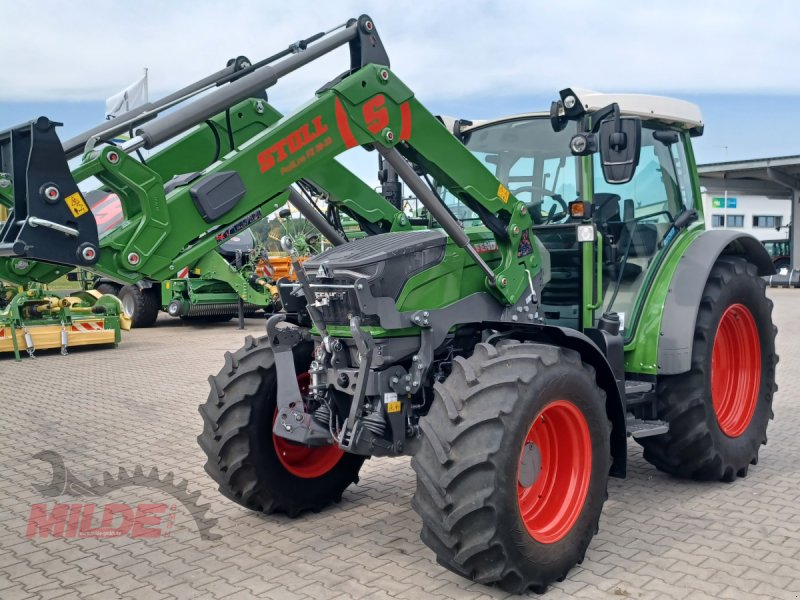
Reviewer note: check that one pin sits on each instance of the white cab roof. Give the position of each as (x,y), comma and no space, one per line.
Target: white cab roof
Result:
(660,108)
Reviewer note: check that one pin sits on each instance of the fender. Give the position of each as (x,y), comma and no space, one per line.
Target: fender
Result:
(591,355)
(686,291)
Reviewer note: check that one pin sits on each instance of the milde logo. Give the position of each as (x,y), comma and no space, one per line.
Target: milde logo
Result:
(291,144)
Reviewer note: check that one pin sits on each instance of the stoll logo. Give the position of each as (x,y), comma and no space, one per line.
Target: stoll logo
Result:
(75,512)
(292,144)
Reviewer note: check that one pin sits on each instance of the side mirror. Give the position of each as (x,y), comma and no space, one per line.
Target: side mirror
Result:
(619,141)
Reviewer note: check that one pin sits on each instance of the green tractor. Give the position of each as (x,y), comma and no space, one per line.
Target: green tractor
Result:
(564,298)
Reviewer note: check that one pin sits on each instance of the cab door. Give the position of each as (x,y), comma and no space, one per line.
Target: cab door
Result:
(636,218)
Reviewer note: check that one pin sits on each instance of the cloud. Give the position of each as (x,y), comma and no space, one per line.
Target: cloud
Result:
(89,50)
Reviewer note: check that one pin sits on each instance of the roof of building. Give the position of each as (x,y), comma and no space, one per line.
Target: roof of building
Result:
(774,176)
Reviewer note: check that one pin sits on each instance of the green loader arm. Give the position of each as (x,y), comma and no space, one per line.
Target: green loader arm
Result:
(367,106)
(204,146)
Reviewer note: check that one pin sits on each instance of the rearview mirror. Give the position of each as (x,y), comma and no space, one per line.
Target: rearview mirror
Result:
(619,143)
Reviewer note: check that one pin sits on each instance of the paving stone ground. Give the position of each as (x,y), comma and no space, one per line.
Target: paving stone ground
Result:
(100,410)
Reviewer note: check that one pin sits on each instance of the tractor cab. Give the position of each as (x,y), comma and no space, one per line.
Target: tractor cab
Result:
(550,161)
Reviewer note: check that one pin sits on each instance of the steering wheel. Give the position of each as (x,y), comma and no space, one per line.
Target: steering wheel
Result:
(552,216)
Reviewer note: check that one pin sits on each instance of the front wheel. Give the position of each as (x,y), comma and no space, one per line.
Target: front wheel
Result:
(251,465)
(513,467)
(718,412)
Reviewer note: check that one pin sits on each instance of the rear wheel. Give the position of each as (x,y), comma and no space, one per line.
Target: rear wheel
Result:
(719,411)
(107,287)
(251,465)
(142,305)
(513,466)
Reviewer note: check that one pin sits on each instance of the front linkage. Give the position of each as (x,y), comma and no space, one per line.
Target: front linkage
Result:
(367,393)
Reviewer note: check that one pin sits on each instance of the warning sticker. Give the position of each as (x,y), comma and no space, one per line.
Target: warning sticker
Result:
(76,204)
(502,192)
(392,403)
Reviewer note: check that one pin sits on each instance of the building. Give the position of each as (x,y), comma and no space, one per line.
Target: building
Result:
(757,196)
(765,217)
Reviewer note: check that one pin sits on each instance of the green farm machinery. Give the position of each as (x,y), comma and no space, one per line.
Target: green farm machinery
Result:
(564,298)
(33,318)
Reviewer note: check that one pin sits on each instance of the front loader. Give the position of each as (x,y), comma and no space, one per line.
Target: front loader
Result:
(513,347)
(204,283)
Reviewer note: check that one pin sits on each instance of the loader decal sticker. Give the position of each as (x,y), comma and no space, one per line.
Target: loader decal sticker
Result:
(292,144)
(485,247)
(405,123)
(76,204)
(502,193)
(525,246)
(375,114)
(253,217)
(344,126)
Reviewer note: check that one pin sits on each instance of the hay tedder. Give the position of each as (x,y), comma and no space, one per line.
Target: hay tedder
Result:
(562,298)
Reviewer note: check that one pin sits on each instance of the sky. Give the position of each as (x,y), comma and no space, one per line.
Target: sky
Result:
(469,59)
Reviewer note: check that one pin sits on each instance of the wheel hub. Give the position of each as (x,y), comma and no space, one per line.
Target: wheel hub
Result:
(302,461)
(554,472)
(128,306)
(735,370)
(530,464)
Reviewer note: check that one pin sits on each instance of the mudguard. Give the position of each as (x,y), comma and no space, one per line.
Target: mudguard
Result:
(591,355)
(686,291)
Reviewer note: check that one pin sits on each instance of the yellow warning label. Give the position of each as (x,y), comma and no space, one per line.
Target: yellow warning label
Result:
(502,192)
(77,205)
(393,407)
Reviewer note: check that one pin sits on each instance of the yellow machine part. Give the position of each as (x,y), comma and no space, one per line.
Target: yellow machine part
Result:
(80,333)
(124,319)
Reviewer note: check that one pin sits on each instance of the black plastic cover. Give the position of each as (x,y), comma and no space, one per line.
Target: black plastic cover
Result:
(386,260)
(217,194)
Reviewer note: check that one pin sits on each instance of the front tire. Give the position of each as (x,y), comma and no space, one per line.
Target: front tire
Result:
(251,465)
(718,412)
(513,466)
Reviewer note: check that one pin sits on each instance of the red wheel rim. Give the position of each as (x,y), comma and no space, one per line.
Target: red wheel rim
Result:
(559,437)
(735,370)
(303,461)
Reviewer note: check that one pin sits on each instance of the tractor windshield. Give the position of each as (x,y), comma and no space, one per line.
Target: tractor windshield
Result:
(532,160)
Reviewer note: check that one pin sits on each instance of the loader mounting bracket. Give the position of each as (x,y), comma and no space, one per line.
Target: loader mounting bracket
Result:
(293,421)
(50,219)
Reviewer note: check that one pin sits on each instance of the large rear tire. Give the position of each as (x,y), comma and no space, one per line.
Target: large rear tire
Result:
(253,467)
(142,305)
(513,466)
(107,287)
(718,412)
